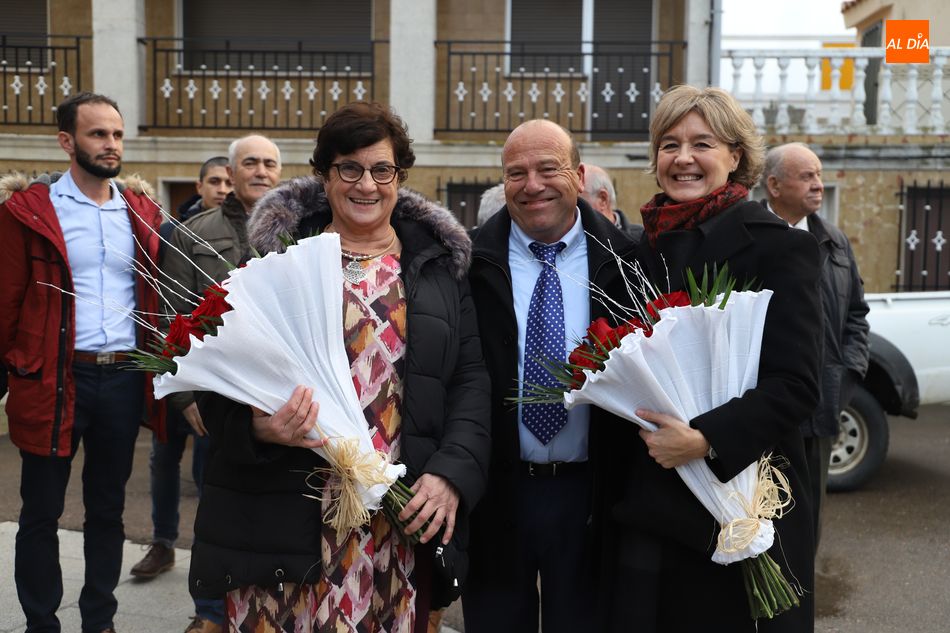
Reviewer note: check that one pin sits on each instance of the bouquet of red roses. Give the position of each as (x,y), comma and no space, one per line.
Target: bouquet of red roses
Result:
(685,353)
(272,325)
(203,321)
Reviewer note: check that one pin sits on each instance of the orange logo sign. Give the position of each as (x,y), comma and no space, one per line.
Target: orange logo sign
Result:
(908,41)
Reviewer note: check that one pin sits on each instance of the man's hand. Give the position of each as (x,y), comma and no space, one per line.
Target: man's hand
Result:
(674,442)
(194,419)
(434,497)
(290,424)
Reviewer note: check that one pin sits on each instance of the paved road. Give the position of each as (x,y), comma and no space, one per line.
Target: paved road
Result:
(884,563)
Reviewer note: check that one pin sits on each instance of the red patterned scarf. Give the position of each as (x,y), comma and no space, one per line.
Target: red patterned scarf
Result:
(662,214)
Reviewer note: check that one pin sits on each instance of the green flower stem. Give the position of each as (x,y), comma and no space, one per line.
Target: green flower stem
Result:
(768,591)
(394,502)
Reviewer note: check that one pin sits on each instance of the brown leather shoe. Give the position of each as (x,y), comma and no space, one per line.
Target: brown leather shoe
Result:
(160,558)
(201,625)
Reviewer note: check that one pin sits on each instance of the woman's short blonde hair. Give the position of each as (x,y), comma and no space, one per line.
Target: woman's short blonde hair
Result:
(724,115)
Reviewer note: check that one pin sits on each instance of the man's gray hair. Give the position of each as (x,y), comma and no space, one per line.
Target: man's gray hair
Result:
(597,179)
(775,160)
(492,201)
(233,147)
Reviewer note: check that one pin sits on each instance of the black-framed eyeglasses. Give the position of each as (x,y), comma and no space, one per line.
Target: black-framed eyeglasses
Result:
(353,172)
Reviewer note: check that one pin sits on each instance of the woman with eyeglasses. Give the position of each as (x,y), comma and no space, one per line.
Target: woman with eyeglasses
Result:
(411,337)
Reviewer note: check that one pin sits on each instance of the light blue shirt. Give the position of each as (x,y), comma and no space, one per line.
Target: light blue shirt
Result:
(101,249)
(570,444)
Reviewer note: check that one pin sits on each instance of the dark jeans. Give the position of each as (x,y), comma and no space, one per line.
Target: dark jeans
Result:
(165,468)
(109,407)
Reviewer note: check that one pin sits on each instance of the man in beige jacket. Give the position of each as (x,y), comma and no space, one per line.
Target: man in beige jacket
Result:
(205,248)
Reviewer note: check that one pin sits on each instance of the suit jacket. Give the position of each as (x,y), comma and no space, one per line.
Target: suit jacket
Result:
(490,278)
(676,535)
(845,345)
(846,339)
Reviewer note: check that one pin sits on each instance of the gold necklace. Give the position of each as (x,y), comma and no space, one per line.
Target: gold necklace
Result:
(353,272)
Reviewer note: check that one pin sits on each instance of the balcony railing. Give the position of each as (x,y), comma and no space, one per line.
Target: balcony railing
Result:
(37,72)
(197,84)
(601,90)
(840,91)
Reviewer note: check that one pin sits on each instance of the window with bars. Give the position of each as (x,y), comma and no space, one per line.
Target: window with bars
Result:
(310,36)
(462,198)
(609,43)
(24,34)
(925,256)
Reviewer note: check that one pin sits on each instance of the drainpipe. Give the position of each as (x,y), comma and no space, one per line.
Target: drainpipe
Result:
(715,41)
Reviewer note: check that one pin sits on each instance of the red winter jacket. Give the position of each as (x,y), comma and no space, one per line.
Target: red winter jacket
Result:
(38,322)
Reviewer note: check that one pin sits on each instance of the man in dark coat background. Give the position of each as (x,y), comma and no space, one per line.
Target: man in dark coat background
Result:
(793,180)
(536,520)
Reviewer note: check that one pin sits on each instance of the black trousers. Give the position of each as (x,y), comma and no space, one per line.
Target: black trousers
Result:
(554,546)
(109,408)
(818,454)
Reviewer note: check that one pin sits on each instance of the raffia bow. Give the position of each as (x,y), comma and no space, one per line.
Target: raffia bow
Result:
(771,497)
(349,469)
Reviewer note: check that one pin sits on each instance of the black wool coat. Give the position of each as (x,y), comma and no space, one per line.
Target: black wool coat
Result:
(491,550)
(256,524)
(660,563)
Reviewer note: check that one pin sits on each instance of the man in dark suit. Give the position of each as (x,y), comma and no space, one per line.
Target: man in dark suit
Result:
(533,264)
(793,181)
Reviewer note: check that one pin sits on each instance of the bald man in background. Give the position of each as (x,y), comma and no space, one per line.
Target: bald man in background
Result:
(793,181)
(600,194)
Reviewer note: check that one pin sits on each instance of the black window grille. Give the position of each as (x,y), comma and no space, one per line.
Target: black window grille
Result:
(923,251)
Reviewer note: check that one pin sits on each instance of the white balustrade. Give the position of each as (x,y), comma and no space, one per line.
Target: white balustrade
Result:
(834,116)
(858,119)
(809,124)
(884,101)
(936,94)
(910,101)
(758,116)
(784,95)
(781,119)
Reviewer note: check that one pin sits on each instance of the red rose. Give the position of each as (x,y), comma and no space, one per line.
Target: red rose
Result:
(177,341)
(676,299)
(577,379)
(599,331)
(583,356)
(632,326)
(207,316)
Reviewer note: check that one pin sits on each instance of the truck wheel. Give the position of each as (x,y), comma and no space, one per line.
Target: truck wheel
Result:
(861,445)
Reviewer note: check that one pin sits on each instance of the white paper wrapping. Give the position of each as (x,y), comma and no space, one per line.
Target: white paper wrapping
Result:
(286,329)
(697,358)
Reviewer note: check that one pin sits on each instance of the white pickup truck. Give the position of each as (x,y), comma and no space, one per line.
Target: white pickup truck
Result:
(910,366)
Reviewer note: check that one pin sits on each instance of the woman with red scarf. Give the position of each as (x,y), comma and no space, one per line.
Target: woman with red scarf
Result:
(706,154)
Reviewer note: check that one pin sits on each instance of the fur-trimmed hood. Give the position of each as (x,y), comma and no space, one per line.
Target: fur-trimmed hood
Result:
(17,181)
(12,183)
(302,202)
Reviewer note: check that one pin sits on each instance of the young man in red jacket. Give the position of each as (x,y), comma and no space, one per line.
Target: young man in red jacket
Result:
(78,234)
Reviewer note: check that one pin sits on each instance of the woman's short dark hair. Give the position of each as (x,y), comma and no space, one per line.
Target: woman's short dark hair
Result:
(358,125)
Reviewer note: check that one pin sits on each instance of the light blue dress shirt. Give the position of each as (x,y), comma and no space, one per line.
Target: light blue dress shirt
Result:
(101,249)
(570,444)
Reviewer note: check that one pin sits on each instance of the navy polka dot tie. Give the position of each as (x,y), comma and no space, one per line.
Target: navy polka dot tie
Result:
(544,341)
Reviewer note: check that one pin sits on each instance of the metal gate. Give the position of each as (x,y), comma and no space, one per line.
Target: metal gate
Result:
(922,253)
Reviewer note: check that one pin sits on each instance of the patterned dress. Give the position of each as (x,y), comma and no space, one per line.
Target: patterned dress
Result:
(366,582)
